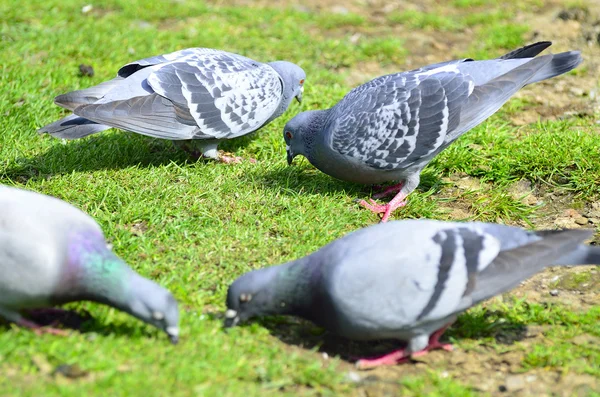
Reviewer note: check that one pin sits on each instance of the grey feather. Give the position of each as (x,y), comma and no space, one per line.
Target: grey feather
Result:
(52,253)
(404,279)
(192,94)
(87,96)
(73,127)
(390,128)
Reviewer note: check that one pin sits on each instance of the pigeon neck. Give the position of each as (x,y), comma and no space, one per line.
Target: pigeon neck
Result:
(94,272)
(295,287)
(314,125)
(287,91)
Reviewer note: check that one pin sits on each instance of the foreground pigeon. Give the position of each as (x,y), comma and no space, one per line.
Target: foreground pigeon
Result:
(364,287)
(52,253)
(194,94)
(390,128)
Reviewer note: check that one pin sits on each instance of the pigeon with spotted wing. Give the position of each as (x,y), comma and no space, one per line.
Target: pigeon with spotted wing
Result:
(390,128)
(51,253)
(197,95)
(363,287)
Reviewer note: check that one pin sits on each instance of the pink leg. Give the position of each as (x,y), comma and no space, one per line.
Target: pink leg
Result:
(434,343)
(400,356)
(51,311)
(393,358)
(388,190)
(387,209)
(41,330)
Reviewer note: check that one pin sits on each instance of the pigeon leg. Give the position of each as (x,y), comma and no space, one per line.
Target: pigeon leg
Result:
(39,330)
(48,311)
(393,358)
(402,356)
(434,343)
(387,209)
(388,190)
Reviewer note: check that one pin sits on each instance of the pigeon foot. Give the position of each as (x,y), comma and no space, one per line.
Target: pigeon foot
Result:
(393,358)
(397,202)
(401,356)
(39,330)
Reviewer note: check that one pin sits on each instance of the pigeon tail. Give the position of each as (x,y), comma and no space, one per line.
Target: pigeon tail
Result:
(73,99)
(560,64)
(72,127)
(513,266)
(583,255)
(529,51)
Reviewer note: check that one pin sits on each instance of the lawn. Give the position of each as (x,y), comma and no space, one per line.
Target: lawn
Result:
(196,226)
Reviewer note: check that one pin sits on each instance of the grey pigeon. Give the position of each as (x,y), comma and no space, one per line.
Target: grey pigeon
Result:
(405,280)
(196,94)
(390,128)
(51,253)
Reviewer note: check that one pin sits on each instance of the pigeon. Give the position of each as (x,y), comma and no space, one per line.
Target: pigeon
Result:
(390,128)
(51,253)
(197,94)
(364,287)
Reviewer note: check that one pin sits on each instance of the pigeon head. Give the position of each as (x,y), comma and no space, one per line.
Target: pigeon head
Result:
(300,132)
(154,305)
(293,81)
(252,295)
(95,273)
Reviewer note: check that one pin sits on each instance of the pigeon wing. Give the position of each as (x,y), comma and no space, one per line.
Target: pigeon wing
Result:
(226,94)
(396,120)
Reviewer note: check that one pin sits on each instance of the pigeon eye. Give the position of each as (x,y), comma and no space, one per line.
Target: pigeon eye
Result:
(288,135)
(301,81)
(245,297)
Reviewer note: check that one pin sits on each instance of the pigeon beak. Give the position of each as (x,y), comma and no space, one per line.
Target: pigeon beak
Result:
(173,333)
(290,155)
(231,318)
(299,96)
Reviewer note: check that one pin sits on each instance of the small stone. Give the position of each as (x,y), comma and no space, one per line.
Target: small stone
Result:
(554,292)
(514,383)
(353,377)
(86,70)
(325,356)
(339,10)
(87,8)
(42,364)
(571,213)
(581,221)
(70,371)
(577,91)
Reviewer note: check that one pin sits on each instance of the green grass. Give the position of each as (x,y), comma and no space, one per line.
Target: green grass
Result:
(196,226)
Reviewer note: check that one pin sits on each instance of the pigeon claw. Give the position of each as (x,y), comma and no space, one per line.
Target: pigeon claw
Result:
(393,358)
(386,209)
(39,330)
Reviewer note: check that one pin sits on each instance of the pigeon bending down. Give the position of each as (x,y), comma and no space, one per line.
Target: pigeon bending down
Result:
(363,287)
(196,94)
(390,128)
(52,253)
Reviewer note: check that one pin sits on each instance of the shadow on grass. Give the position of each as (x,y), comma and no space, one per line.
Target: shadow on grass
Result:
(482,325)
(294,180)
(79,320)
(115,150)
